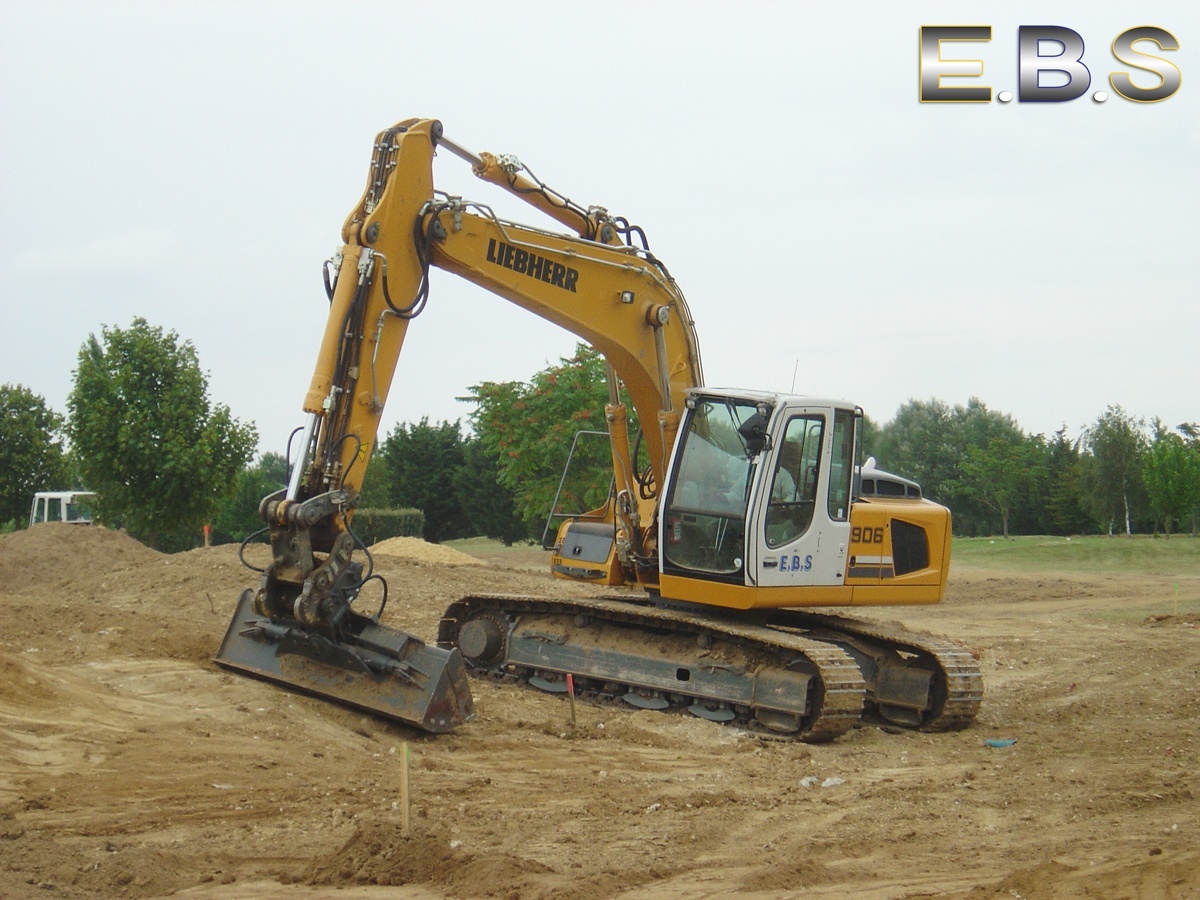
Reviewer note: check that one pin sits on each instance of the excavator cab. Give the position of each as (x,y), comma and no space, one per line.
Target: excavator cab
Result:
(765,508)
(759,492)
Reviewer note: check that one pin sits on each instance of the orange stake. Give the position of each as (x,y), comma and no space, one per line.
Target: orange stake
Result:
(571,697)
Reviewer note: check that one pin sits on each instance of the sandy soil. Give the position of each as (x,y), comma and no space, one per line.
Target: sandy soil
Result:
(131,766)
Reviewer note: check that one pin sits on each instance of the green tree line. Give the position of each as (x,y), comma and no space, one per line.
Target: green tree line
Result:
(1119,475)
(165,461)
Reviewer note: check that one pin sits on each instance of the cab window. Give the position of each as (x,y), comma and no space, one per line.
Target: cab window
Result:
(706,509)
(794,485)
(841,465)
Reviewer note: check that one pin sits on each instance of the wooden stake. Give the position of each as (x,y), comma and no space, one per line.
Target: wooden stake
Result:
(404,799)
(571,697)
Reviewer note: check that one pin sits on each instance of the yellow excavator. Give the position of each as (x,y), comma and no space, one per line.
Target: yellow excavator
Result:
(730,513)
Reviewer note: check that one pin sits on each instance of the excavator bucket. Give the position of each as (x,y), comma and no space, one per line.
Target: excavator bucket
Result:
(372,667)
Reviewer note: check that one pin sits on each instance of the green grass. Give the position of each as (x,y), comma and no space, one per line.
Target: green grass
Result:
(1126,615)
(1177,555)
(529,555)
(481,546)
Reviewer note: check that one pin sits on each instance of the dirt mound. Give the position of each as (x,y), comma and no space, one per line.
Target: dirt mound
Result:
(1155,873)
(54,553)
(775,874)
(22,684)
(380,853)
(424,552)
(1190,620)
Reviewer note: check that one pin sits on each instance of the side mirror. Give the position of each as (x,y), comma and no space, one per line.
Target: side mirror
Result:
(754,434)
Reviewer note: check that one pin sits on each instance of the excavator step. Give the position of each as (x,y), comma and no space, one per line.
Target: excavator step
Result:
(372,668)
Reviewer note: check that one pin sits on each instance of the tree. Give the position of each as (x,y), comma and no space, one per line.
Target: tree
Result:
(236,516)
(490,507)
(928,442)
(31,454)
(919,443)
(1191,435)
(1172,476)
(871,436)
(1066,497)
(147,440)
(275,467)
(528,428)
(1117,443)
(452,479)
(378,483)
(1005,474)
(423,462)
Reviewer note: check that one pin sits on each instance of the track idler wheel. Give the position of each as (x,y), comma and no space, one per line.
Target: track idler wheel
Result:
(483,640)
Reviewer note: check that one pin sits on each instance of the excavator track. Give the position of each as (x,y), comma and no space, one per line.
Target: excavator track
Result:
(913,680)
(753,676)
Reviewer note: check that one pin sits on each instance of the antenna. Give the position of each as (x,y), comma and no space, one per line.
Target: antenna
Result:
(795,371)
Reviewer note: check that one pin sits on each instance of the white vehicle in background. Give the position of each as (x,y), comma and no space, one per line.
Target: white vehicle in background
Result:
(72,507)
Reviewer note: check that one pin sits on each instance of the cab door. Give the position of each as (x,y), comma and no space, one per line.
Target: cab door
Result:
(801,530)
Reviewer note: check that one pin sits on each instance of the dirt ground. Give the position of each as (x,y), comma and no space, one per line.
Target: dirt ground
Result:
(131,766)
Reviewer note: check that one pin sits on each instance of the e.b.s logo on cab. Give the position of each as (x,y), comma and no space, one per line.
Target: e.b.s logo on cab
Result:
(1050,65)
(795,563)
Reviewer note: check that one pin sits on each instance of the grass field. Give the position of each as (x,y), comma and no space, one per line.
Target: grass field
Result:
(522,555)
(1177,555)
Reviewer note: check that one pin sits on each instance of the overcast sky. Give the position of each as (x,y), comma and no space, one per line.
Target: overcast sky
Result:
(192,163)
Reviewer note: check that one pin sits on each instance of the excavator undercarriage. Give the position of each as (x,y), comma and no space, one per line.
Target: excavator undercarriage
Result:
(793,674)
